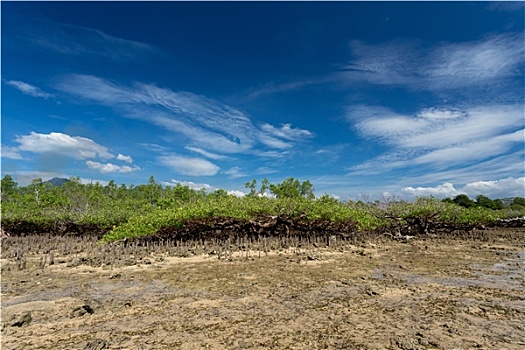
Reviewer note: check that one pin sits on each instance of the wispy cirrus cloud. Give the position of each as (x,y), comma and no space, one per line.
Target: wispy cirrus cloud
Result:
(208,125)
(28,89)
(445,66)
(188,165)
(498,167)
(235,172)
(272,88)
(438,138)
(11,153)
(50,36)
(206,154)
(505,6)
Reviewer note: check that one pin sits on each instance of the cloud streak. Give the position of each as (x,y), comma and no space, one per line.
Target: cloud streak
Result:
(447,66)
(73,40)
(207,124)
(189,166)
(28,89)
(439,139)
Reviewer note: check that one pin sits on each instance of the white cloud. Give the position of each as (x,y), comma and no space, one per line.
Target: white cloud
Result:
(495,168)
(11,153)
(189,166)
(154,147)
(76,40)
(273,154)
(190,184)
(465,64)
(443,67)
(28,89)
(207,124)
(236,193)
(234,173)
(63,144)
(438,136)
(283,87)
(445,190)
(265,171)
(473,151)
(124,158)
(206,154)
(274,142)
(286,132)
(503,188)
(505,6)
(509,187)
(110,168)
(440,113)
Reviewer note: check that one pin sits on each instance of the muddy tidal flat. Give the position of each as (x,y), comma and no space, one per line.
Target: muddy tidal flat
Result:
(418,293)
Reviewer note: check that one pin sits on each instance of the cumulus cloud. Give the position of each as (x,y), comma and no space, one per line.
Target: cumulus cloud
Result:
(510,187)
(124,158)
(189,166)
(503,188)
(110,168)
(58,146)
(28,89)
(236,193)
(190,184)
(445,190)
(63,144)
(286,131)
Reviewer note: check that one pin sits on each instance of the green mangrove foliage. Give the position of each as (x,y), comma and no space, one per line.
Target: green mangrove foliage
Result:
(135,211)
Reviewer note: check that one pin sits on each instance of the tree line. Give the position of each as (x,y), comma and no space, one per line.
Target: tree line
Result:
(75,197)
(517,203)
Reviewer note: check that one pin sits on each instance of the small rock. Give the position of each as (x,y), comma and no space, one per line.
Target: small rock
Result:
(74,262)
(405,344)
(22,320)
(82,310)
(97,344)
(114,275)
(372,292)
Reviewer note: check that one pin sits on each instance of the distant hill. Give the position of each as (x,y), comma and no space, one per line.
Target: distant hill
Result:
(57,181)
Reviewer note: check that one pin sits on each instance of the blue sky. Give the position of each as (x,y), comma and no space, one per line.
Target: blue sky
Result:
(364,99)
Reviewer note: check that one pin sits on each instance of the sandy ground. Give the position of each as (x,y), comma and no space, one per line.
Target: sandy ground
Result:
(416,294)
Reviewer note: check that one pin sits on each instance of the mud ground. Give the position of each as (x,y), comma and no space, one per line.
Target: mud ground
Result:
(412,294)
